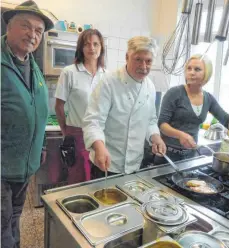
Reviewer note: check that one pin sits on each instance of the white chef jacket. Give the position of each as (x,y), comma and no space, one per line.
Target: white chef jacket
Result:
(75,86)
(121,121)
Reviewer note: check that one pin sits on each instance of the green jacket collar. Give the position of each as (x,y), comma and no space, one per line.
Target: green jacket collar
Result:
(7,60)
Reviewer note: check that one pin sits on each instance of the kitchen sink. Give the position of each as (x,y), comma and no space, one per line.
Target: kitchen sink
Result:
(80,204)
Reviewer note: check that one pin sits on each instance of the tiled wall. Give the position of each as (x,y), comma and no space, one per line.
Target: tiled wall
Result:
(118,37)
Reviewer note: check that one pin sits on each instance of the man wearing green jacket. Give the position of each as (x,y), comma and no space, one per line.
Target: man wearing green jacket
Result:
(24,112)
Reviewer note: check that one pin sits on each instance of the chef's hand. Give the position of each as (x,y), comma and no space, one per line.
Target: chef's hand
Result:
(187,140)
(43,156)
(158,145)
(102,156)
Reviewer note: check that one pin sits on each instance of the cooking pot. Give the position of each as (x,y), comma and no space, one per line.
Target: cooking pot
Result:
(215,134)
(165,244)
(221,162)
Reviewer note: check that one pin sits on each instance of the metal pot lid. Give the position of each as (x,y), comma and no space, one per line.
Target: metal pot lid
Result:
(164,211)
(195,239)
(223,236)
(156,195)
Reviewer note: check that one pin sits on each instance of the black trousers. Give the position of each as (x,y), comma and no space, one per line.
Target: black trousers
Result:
(12,201)
(97,173)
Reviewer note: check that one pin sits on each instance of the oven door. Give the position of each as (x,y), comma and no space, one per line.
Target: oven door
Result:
(57,55)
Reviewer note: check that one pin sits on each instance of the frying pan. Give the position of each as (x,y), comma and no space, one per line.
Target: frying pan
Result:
(181,179)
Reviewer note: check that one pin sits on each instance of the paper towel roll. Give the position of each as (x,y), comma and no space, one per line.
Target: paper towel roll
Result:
(79,29)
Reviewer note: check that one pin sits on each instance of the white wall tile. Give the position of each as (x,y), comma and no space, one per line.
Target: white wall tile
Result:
(125,32)
(121,56)
(104,28)
(114,30)
(123,44)
(145,33)
(113,42)
(135,32)
(112,54)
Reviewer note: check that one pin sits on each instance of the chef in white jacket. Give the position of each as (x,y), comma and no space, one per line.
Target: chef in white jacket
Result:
(121,114)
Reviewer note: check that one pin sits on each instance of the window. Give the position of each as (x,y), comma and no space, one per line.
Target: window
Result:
(224,82)
(219,83)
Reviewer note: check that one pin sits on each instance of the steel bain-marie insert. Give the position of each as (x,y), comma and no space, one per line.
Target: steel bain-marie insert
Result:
(77,204)
(135,188)
(109,196)
(107,224)
(156,194)
(169,216)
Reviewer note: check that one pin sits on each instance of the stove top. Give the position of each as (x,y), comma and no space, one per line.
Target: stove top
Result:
(218,203)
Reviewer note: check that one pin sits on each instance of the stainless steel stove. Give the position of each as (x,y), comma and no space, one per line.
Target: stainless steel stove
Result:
(218,203)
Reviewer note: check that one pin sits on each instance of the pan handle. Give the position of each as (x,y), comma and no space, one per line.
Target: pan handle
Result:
(211,150)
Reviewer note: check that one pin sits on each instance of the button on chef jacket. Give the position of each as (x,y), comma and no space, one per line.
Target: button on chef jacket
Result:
(75,86)
(122,114)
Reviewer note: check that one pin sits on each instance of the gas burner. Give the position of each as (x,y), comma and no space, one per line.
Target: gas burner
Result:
(218,203)
(209,171)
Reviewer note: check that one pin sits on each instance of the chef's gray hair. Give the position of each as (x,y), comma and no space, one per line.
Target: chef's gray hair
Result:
(142,43)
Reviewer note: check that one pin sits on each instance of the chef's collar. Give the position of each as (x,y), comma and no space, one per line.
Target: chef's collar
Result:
(13,55)
(82,68)
(126,78)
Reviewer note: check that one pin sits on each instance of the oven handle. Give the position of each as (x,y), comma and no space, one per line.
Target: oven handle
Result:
(50,43)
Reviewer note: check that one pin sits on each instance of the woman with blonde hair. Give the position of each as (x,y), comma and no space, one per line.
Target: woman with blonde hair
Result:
(185,107)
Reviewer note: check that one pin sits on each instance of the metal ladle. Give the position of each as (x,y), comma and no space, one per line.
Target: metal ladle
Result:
(105,188)
(105,179)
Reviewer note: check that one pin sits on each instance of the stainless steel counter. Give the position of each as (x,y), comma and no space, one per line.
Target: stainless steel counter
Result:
(61,232)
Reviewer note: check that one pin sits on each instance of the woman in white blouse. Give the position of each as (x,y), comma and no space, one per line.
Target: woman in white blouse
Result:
(74,88)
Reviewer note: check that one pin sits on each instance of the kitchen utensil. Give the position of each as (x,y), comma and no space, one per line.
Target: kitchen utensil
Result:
(199,239)
(222,235)
(111,197)
(157,194)
(163,242)
(105,179)
(214,134)
(165,213)
(105,188)
(173,165)
(221,162)
(169,217)
(176,50)
(104,225)
(135,188)
(77,204)
(181,181)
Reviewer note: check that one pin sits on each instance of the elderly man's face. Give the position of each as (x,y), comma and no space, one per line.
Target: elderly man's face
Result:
(139,64)
(24,34)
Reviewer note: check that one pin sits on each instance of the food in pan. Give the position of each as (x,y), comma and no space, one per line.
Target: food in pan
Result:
(195,183)
(203,189)
(200,186)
